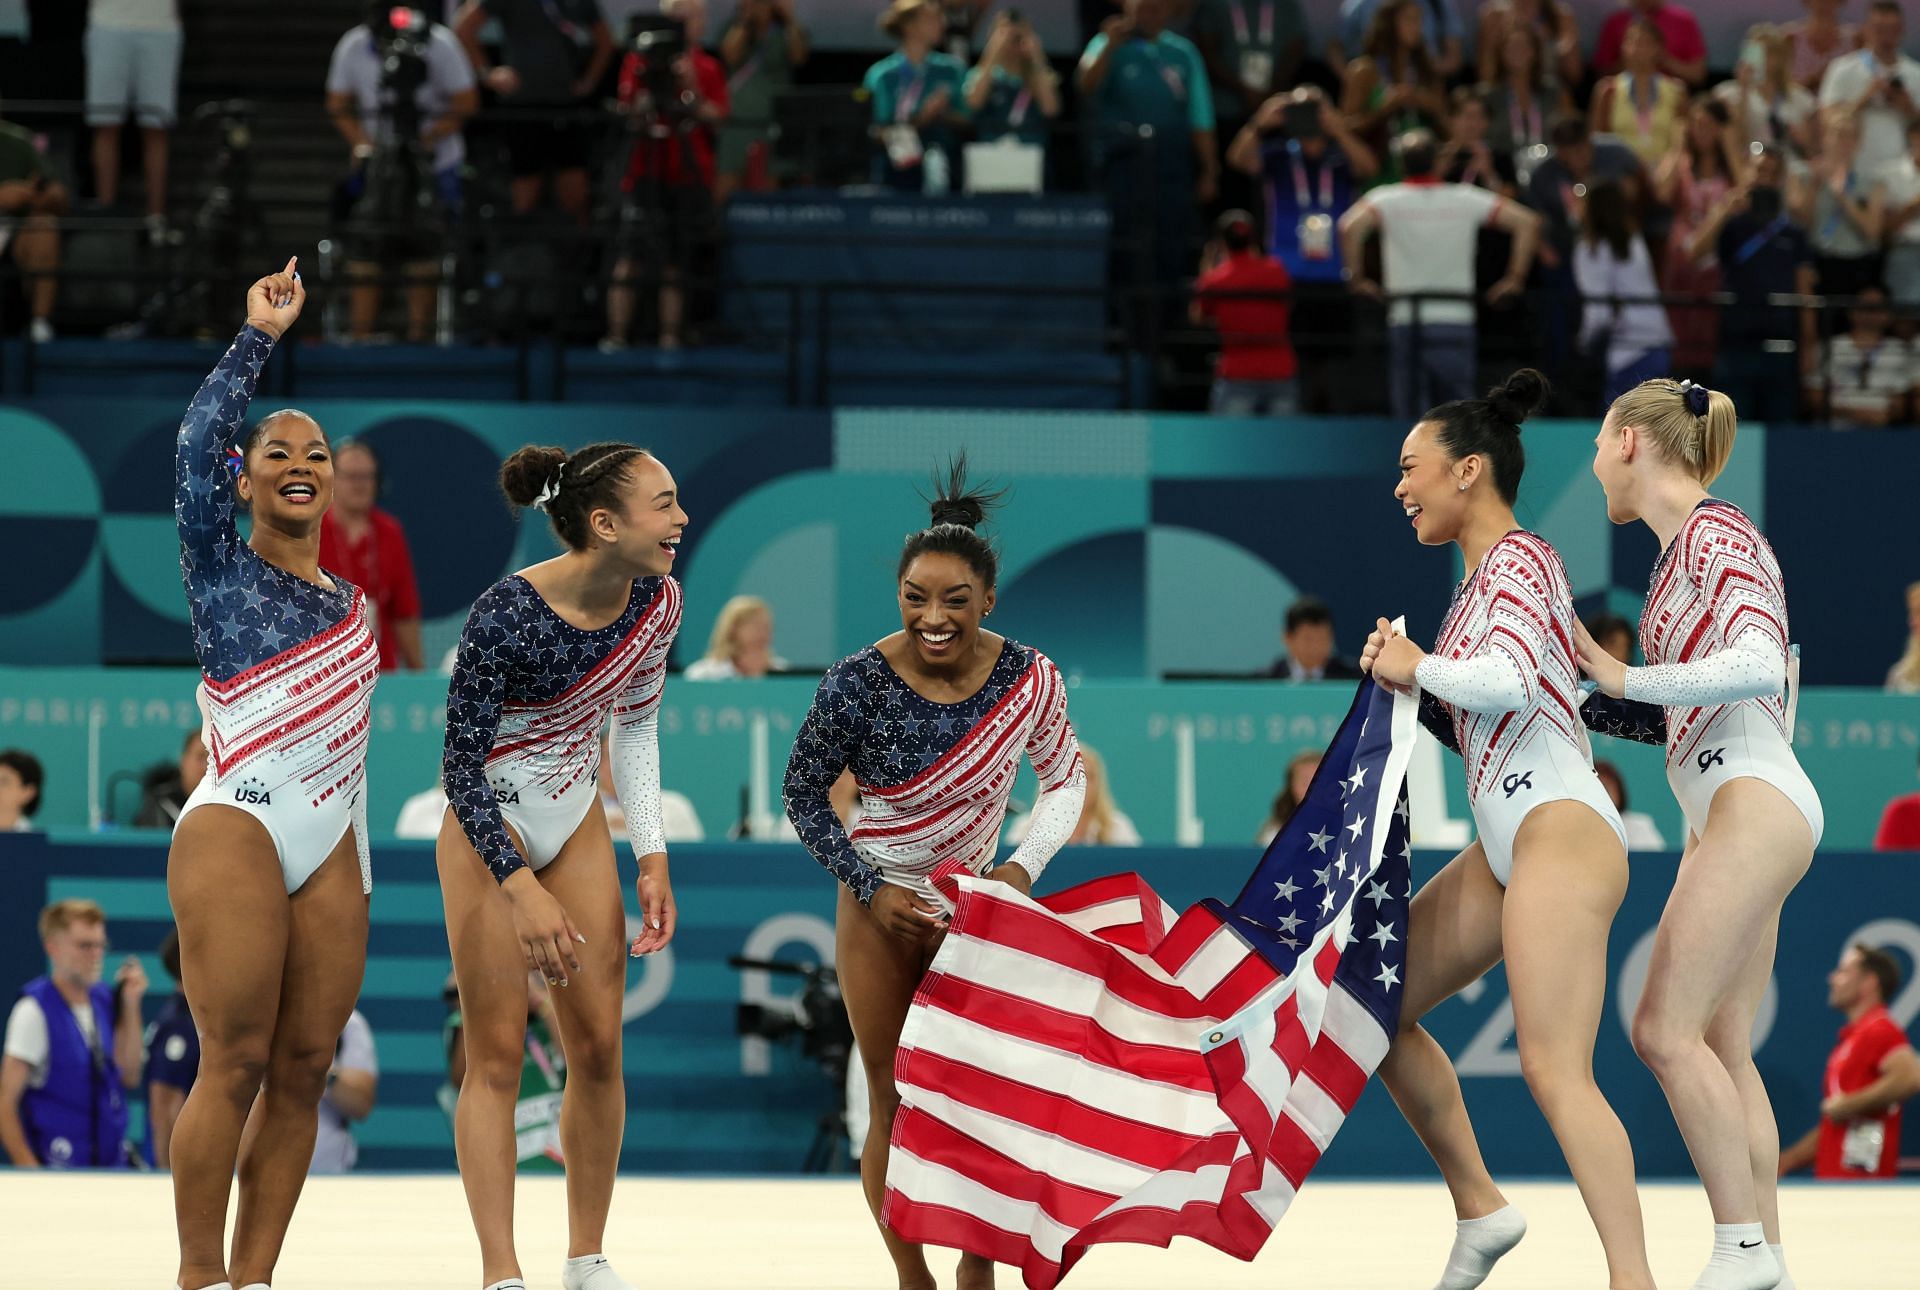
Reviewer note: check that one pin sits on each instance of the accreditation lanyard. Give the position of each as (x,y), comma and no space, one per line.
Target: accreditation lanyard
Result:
(910,92)
(1524,122)
(1243,32)
(1301,195)
(1018,112)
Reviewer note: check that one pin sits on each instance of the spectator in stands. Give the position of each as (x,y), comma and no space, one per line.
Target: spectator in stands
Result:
(1816,40)
(1880,84)
(1682,49)
(1849,213)
(1904,676)
(353,1085)
(1900,184)
(364,118)
(1442,33)
(1554,45)
(1900,823)
(1868,374)
(1613,634)
(422,814)
(31,203)
(1252,49)
(1293,791)
(741,644)
(1102,822)
(1256,372)
(161,804)
(133,65)
(1764,348)
(1767,104)
(667,220)
(1640,105)
(1310,164)
(1467,157)
(1150,117)
(72,1049)
(1395,86)
(543,1076)
(1701,167)
(1642,833)
(1557,190)
(918,95)
(1871,1071)
(1622,319)
(173,1058)
(1522,98)
(1013,93)
(553,54)
(763,46)
(21,779)
(367,547)
(1310,654)
(1430,234)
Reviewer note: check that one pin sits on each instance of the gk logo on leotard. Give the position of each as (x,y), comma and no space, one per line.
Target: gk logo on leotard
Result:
(1514,783)
(1710,758)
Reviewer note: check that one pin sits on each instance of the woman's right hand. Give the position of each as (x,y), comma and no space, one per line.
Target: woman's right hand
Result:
(1376,641)
(275,301)
(904,914)
(547,936)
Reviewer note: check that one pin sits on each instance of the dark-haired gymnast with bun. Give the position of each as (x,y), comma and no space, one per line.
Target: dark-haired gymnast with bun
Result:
(527,868)
(933,721)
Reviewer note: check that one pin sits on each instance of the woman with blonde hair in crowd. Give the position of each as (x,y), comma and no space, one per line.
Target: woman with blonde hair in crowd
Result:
(1768,106)
(1904,677)
(1102,822)
(1523,98)
(1706,162)
(741,645)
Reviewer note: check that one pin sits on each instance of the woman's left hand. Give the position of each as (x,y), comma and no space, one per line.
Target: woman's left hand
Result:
(1014,875)
(1608,672)
(657,913)
(1395,663)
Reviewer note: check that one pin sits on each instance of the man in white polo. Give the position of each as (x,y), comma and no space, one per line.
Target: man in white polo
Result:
(1429,234)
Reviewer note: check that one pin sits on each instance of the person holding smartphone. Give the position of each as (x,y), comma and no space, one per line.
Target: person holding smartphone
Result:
(1013,92)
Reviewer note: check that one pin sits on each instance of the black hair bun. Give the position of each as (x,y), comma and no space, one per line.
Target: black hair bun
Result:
(1519,397)
(525,475)
(955,502)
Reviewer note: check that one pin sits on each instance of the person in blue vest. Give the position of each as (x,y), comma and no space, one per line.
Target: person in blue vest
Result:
(1151,132)
(72,1049)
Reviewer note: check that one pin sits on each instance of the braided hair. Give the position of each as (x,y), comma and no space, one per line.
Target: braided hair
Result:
(573,486)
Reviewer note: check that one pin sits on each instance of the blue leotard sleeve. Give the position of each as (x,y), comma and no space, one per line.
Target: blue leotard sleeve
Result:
(203,497)
(1438,721)
(829,739)
(474,699)
(1643,723)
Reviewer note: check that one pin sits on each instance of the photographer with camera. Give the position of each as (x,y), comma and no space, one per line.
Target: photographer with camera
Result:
(552,56)
(673,94)
(1013,93)
(399,90)
(31,204)
(762,47)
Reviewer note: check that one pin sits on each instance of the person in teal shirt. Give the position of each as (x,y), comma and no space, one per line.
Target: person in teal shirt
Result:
(1013,93)
(1152,133)
(918,99)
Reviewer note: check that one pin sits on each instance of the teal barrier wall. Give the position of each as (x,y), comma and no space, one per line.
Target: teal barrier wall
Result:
(1134,545)
(701,1099)
(1860,747)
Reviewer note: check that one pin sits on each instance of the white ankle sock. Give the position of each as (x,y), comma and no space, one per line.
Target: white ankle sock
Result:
(592,1272)
(1741,1260)
(1478,1244)
(1786,1278)
(511,1283)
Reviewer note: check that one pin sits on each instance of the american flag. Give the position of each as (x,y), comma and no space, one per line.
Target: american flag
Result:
(1090,1067)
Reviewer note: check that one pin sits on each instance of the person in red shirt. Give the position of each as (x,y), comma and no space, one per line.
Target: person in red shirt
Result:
(1873,1070)
(669,212)
(1257,370)
(1686,49)
(367,547)
(1899,825)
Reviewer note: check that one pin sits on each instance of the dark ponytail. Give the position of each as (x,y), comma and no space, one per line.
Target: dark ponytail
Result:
(956,513)
(1490,427)
(587,481)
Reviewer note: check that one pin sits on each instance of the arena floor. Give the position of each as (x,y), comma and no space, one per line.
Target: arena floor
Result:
(78,1232)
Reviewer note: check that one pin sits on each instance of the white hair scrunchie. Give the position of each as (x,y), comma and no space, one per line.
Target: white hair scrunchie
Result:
(551,491)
